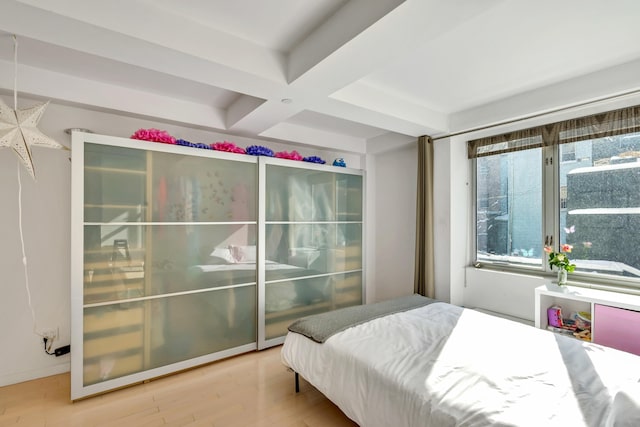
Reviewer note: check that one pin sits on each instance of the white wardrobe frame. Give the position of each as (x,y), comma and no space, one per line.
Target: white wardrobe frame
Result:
(78,389)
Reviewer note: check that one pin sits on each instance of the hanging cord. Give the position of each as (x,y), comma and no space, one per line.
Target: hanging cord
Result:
(24,254)
(15,73)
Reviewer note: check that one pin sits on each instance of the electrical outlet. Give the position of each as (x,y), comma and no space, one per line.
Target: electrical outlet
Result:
(50,334)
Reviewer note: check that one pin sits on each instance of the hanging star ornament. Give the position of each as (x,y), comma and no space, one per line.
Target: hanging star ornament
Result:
(19,130)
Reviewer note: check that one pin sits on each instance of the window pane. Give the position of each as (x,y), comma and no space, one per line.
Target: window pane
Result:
(601,217)
(509,208)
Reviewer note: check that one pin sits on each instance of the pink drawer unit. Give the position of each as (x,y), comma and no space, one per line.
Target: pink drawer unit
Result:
(617,327)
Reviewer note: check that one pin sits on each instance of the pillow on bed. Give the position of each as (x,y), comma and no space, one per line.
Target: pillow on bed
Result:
(221,256)
(243,253)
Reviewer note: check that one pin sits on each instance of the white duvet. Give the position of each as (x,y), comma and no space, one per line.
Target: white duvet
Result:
(441,365)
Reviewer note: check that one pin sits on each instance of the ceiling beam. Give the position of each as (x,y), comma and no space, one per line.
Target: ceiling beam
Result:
(251,73)
(264,116)
(305,135)
(159,27)
(355,113)
(241,108)
(355,17)
(38,82)
(368,97)
(396,34)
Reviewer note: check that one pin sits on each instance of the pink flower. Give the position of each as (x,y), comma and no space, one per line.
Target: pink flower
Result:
(294,155)
(566,248)
(154,135)
(570,230)
(587,244)
(560,259)
(141,134)
(227,146)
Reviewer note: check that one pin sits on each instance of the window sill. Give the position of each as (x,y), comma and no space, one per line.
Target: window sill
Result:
(612,284)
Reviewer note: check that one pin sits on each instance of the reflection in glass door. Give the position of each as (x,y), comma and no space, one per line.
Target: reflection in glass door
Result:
(312,243)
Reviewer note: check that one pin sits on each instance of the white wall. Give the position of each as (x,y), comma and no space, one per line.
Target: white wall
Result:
(45,220)
(395,221)
(46,224)
(392,181)
(502,292)
(441,217)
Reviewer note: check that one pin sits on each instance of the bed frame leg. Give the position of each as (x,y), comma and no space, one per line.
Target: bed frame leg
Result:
(297,382)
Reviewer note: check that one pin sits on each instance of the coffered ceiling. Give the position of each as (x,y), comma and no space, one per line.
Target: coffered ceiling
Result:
(336,73)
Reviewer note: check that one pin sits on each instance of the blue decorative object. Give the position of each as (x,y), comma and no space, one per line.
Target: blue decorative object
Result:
(339,162)
(186,143)
(258,150)
(314,159)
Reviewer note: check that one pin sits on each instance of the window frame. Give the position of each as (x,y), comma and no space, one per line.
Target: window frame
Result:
(505,264)
(551,213)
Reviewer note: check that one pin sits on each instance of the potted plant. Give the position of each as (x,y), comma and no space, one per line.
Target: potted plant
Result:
(561,261)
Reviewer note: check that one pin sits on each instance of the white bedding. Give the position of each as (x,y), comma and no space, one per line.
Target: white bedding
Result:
(441,365)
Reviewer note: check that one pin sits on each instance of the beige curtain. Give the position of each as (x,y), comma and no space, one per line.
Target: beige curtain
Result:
(610,123)
(424,279)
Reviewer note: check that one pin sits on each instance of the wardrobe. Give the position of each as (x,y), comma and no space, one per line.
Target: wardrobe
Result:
(182,256)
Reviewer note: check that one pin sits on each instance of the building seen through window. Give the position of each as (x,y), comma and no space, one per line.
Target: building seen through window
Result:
(509,214)
(602,215)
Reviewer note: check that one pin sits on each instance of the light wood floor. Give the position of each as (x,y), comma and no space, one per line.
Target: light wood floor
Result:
(254,389)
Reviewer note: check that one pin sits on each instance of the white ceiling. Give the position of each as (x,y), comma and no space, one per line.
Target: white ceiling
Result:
(354,70)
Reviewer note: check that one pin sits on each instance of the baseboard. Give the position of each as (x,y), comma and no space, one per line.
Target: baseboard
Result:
(19,377)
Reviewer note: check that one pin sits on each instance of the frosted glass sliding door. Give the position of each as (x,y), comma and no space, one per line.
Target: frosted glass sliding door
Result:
(168,277)
(312,243)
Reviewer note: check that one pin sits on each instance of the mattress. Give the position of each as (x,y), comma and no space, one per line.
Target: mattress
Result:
(442,365)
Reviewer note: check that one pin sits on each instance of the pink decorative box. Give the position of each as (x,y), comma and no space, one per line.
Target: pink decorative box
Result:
(617,327)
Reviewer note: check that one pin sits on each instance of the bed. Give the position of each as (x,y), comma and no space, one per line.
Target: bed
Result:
(436,364)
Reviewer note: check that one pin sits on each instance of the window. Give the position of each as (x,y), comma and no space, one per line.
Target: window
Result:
(589,199)
(509,213)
